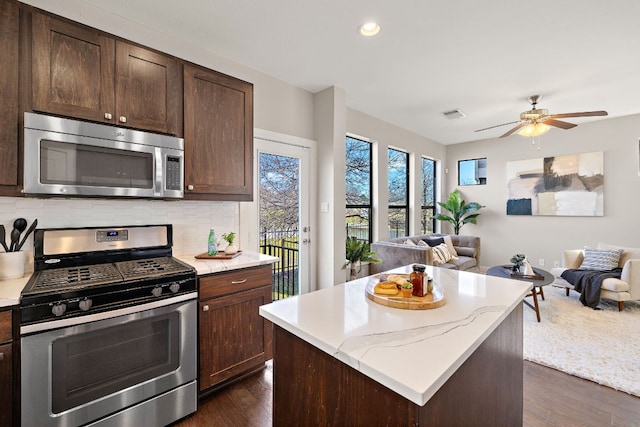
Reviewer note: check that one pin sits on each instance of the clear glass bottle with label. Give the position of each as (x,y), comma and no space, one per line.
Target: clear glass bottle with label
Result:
(212,247)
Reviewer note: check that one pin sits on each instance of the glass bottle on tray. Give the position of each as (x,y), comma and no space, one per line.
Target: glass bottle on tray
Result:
(417,280)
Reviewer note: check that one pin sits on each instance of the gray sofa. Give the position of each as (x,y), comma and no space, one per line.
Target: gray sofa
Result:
(395,253)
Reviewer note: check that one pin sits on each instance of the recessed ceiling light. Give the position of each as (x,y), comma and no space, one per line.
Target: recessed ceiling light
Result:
(369,29)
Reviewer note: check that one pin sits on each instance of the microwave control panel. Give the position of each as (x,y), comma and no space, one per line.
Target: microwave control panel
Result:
(173,178)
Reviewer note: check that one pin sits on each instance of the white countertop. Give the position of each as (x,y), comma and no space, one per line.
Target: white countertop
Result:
(10,289)
(376,340)
(244,260)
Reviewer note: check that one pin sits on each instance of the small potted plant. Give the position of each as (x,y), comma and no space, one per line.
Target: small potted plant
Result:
(230,238)
(406,289)
(517,260)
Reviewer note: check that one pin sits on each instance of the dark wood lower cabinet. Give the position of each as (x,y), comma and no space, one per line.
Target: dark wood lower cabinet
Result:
(312,387)
(7,384)
(234,339)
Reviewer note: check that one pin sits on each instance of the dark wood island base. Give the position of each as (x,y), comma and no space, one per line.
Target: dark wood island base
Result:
(312,387)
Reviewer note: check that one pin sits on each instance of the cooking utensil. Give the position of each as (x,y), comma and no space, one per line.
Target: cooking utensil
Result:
(19,225)
(29,231)
(3,239)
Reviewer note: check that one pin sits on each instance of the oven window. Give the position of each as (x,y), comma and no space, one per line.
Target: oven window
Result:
(88,366)
(77,164)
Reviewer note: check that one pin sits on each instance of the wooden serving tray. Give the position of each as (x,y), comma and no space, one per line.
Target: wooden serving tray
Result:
(219,255)
(433,300)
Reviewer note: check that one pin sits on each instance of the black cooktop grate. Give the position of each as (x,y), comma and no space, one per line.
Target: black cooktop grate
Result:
(89,275)
(150,267)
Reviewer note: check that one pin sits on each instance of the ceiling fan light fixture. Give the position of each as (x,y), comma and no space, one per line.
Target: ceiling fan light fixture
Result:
(369,29)
(534,129)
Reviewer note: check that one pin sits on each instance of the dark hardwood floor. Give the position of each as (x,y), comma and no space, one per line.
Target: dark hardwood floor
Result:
(551,398)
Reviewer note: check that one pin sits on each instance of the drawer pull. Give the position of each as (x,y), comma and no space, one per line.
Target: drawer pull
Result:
(205,308)
(1,357)
(238,282)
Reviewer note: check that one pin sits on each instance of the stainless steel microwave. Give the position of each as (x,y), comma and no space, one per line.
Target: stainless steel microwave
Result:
(67,157)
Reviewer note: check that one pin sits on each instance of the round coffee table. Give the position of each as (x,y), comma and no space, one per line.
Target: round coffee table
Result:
(547,278)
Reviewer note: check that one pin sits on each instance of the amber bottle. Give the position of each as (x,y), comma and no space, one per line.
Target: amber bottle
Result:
(417,280)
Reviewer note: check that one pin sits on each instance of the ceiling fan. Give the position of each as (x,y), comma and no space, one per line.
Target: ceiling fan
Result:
(536,121)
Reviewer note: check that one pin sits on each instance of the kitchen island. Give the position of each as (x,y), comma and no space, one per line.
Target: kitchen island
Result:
(342,359)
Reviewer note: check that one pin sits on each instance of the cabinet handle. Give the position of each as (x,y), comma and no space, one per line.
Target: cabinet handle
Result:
(123,119)
(1,357)
(108,116)
(190,187)
(238,282)
(205,308)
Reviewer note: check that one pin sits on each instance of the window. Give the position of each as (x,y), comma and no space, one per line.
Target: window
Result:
(472,172)
(358,185)
(398,193)
(428,196)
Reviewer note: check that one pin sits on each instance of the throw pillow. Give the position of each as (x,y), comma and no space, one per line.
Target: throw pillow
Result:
(600,259)
(409,242)
(422,243)
(441,253)
(452,250)
(433,241)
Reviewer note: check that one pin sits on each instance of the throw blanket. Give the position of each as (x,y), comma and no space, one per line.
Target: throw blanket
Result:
(588,283)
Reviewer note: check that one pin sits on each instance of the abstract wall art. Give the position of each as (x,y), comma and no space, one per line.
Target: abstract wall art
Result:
(569,185)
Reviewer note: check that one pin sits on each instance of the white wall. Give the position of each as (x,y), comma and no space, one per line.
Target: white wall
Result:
(544,237)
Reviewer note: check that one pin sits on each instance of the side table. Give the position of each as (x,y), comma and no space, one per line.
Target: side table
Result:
(505,271)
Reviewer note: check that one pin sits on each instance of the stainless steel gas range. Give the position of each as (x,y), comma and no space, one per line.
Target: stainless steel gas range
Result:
(108,329)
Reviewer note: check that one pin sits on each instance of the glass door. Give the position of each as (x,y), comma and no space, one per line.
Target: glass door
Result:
(280,212)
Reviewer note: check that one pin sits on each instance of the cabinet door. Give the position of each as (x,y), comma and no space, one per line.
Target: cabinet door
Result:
(148,94)
(233,336)
(218,136)
(9,118)
(73,70)
(6,385)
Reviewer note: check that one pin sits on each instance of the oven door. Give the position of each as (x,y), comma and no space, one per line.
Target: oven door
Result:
(83,373)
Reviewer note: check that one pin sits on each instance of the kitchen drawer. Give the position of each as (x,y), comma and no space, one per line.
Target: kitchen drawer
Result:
(219,284)
(5,326)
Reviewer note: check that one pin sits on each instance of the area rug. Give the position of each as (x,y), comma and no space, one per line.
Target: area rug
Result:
(599,345)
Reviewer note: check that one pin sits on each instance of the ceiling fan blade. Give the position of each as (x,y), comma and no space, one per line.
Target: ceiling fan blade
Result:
(497,126)
(513,130)
(558,123)
(583,114)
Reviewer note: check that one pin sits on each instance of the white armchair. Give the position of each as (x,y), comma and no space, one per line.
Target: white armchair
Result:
(627,288)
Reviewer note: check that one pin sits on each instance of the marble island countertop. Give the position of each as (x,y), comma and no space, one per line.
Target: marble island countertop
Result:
(10,289)
(413,352)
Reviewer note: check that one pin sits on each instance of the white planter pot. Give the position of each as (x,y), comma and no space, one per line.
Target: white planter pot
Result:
(231,249)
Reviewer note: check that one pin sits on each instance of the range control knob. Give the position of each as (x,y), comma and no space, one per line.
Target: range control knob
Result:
(174,287)
(58,309)
(157,291)
(85,304)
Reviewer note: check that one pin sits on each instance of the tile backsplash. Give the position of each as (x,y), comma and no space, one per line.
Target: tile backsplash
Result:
(191,219)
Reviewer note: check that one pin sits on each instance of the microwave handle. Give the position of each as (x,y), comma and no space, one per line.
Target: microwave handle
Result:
(159,186)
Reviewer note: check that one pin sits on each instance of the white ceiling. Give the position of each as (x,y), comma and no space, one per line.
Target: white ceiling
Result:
(483,57)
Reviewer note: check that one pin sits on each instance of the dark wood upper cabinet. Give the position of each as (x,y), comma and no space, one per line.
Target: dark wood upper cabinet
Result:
(72,70)
(9,119)
(148,89)
(79,72)
(218,136)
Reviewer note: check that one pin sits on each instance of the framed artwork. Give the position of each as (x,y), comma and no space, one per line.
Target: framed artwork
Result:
(569,185)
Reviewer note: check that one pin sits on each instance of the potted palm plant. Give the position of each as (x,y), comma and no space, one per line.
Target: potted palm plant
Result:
(461,212)
(357,252)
